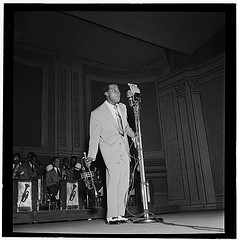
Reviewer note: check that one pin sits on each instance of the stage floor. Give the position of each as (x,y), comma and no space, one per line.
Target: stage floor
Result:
(197,222)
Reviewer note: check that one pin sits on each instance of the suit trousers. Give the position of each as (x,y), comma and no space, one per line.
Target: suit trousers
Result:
(53,189)
(117,183)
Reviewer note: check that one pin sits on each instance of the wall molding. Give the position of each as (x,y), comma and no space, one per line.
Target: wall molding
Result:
(92,77)
(153,154)
(201,72)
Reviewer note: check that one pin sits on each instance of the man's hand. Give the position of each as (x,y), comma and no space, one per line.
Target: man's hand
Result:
(88,161)
(134,139)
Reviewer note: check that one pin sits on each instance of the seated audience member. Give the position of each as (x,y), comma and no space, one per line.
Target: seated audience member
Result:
(52,179)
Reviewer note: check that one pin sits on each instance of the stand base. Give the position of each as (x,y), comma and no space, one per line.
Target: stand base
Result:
(145,220)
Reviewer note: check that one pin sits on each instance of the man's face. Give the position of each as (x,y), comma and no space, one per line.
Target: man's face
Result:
(16,160)
(57,162)
(73,161)
(33,160)
(113,94)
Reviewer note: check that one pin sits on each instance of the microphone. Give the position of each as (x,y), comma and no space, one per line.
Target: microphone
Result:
(129,94)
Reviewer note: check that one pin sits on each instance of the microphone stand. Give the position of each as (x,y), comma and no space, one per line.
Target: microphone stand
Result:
(136,108)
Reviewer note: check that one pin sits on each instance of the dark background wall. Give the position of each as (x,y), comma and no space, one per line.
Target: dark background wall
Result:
(27,105)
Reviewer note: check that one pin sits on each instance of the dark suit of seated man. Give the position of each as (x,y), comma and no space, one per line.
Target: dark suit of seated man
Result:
(27,169)
(53,179)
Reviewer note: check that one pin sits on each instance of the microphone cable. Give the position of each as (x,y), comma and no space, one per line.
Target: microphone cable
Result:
(131,186)
(202,228)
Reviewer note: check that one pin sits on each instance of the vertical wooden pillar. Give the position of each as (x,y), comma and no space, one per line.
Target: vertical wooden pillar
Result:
(189,139)
(201,141)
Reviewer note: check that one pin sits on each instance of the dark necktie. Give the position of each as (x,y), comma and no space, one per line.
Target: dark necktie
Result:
(58,171)
(119,121)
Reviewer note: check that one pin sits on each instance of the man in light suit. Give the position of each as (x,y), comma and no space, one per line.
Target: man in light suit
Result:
(108,131)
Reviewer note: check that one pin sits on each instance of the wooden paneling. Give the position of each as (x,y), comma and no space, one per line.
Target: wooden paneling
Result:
(176,187)
(155,173)
(187,152)
(203,151)
(213,105)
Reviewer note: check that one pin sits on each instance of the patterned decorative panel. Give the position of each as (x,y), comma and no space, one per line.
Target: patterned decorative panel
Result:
(62,107)
(181,89)
(76,109)
(193,86)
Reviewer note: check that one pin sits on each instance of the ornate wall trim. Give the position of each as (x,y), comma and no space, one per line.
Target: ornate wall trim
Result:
(63,141)
(62,107)
(181,89)
(193,86)
(69,130)
(190,85)
(201,72)
(77,111)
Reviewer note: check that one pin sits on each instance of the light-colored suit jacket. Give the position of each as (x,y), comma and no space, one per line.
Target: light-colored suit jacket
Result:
(104,134)
(51,178)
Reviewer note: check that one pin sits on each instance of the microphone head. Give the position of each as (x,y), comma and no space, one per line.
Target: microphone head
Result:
(129,94)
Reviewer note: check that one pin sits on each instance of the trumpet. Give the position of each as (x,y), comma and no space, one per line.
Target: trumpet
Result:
(88,176)
(73,193)
(25,194)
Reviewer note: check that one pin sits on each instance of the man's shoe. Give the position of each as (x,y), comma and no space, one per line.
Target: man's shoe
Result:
(124,219)
(113,220)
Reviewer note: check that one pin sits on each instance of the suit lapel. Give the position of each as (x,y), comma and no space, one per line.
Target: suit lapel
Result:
(107,113)
(55,174)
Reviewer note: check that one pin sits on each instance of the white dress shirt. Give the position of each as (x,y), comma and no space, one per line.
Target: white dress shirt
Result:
(112,109)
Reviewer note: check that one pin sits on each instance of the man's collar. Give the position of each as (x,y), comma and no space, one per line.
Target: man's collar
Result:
(111,105)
